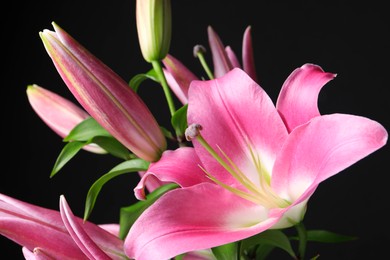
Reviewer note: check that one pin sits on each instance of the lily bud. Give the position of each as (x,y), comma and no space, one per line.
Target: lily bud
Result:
(154,27)
(59,114)
(179,77)
(105,95)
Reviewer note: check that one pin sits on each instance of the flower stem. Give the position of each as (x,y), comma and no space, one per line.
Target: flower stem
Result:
(160,74)
(302,234)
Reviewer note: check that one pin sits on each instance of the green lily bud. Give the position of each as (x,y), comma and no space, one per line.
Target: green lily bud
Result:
(154,27)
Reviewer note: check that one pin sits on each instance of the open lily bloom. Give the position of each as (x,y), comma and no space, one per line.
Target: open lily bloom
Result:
(60,114)
(49,234)
(254,165)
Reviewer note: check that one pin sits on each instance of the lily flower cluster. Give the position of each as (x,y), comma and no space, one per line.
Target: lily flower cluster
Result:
(242,171)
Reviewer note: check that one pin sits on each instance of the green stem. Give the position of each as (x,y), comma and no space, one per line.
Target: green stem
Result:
(302,234)
(204,65)
(160,74)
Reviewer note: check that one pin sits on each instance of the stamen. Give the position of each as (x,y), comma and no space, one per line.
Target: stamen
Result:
(264,180)
(262,195)
(199,52)
(242,194)
(240,176)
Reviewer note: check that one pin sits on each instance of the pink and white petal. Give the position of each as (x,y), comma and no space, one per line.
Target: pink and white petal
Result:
(239,118)
(28,255)
(221,217)
(322,148)
(111,228)
(297,101)
(248,59)
(232,57)
(94,241)
(220,58)
(167,170)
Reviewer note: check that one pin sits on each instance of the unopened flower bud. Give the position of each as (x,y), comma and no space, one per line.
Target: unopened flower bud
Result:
(154,26)
(105,96)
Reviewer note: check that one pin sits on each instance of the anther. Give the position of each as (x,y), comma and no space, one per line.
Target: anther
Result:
(199,49)
(192,131)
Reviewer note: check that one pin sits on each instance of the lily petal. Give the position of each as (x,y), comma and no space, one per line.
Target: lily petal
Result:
(340,141)
(297,101)
(221,60)
(34,228)
(241,128)
(178,77)
(28,255)
(105,96)
(111,228)
(248,59)
(37,254)
(151,183)
(78,234)
(186,173)
(218,221)
(41,228)
(232,57)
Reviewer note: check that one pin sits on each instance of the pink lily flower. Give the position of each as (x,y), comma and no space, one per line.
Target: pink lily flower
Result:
(105,96)
(59,114)
(254,165)
(49,234)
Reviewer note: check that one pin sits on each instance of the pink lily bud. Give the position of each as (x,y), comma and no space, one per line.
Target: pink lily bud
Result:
(105,96)
(59,114)
(178,76)
(154,28)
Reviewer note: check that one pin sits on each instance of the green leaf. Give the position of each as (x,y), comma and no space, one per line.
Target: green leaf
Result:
(179,120)
(263,250)
(136,81)
(324,236)
(225,252)
(270,237)
(112,146)
(86,130)
(124,167)
(167,133)
(67,153)
(128,215)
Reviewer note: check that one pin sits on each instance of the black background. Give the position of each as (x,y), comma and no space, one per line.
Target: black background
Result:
(344,37)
